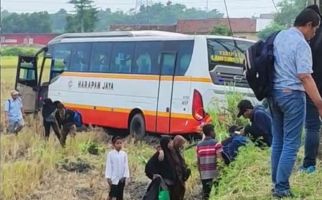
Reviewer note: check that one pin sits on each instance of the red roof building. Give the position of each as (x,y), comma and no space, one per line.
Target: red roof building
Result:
(11,39)
(205,26)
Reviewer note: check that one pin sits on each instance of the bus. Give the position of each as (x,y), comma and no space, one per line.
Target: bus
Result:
(142,81)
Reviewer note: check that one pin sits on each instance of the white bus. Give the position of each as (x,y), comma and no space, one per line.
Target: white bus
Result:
(144,81)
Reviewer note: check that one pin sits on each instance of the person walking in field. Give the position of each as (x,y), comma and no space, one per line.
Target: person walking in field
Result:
(292,78)
(208,153)
(117,169)
(14,113)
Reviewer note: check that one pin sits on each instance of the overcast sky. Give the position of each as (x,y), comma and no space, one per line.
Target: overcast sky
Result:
(236,8)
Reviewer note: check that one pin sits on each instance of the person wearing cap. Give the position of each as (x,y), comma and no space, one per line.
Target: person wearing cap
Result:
(261,122)
(14,113)
(312,121)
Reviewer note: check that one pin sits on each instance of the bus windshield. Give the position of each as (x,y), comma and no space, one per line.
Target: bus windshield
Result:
(226,61)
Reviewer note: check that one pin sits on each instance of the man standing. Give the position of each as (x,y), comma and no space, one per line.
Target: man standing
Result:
(14,113)
(261,122)
(312,123)
(292,78)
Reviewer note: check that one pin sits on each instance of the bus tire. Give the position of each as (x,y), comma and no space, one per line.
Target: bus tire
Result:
(137,126)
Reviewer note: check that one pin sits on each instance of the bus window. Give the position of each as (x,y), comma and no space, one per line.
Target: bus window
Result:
(146,58)
(80,57)
(184,49)
(100,57)
(122,56)
(226,61)
(61,54)
(168,64)
(184,57)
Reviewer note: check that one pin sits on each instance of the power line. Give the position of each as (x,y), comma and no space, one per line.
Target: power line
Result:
(274,5)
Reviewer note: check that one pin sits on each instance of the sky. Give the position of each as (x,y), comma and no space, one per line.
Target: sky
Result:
(236,8)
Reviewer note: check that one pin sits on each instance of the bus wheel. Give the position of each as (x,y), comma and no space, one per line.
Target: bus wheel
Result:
(137,126)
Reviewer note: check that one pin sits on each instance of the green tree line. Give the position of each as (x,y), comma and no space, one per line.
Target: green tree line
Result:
(86,17)
(284,18)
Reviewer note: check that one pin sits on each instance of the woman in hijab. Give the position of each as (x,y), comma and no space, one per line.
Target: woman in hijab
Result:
(181,168)
(162,164)
(49,120)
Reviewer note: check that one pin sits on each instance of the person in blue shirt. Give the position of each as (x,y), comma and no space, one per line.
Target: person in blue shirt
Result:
(14,113)
(291,80)
(260,128)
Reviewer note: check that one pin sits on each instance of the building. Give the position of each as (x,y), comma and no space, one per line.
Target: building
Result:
(30,39)
(241,27)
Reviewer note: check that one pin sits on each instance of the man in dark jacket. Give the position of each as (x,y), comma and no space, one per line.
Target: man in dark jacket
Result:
(261,122)
(66,123)
(49,120)
(312,122)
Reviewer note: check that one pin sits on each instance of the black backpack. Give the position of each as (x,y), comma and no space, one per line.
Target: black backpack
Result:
(259,66)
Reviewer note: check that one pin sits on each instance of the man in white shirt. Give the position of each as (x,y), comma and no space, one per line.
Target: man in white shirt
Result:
(14,113)
(117,170)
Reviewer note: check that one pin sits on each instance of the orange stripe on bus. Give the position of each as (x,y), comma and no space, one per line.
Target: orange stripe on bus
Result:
(126,110)
(138,77)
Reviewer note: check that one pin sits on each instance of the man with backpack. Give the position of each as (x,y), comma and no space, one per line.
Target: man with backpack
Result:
(14,113)
(312,122)
(291,79)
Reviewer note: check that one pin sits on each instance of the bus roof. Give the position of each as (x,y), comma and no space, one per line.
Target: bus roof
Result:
(227,37)
(125,35)
(116,34)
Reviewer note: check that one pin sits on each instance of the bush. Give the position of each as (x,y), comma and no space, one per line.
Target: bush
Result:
(15,51)
(91,148)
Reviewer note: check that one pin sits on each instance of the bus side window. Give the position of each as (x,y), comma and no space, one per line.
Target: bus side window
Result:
(146,58)
(80,57)
(122,57)
(168,64)
(184,57)
(100,57)
(61,54)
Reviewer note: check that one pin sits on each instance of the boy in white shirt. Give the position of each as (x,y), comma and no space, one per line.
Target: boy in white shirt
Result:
(117,169)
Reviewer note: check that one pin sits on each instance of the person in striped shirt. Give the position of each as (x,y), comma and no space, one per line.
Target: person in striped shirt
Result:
(208,151)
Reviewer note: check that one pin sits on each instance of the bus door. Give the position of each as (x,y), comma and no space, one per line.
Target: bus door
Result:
(165,90)
(44,79)
(26,82)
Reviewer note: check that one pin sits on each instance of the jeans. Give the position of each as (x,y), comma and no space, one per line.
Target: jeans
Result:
(312,137)
(288,115)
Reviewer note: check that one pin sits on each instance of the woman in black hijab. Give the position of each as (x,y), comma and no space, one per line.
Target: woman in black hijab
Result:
(162,164)
(49,120)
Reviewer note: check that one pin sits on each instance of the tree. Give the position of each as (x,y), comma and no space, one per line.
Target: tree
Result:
(85,18)
(289,9)
(58,21)
(269,30)
(221,30)
(37,22)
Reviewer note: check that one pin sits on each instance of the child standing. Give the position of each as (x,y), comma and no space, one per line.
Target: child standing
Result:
(208,151)
(117,169)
